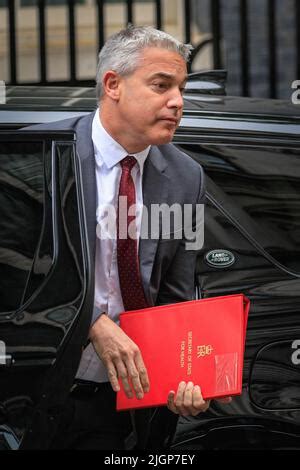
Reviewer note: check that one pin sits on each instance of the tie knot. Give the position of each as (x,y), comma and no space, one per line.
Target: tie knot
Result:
(128,162)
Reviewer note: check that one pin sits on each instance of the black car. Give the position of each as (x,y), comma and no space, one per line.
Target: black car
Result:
(250,151)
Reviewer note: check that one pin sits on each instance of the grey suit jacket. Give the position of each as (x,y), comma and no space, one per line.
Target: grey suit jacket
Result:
(169,177)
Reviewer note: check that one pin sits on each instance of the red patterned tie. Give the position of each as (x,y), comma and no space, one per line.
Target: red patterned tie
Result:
(127,254)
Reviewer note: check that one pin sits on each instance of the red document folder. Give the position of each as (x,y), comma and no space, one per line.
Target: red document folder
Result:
(200,341)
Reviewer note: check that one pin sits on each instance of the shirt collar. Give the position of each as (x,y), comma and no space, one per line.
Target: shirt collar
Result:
(107,150)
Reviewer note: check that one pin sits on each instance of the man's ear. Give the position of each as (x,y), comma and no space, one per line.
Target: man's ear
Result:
(111,82)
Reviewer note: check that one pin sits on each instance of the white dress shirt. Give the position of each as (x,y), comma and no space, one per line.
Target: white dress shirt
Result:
(108,299)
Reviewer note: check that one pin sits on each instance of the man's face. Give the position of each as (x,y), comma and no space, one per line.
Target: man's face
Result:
(150,99)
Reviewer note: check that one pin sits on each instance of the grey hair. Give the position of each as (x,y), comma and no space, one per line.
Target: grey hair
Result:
(122,51)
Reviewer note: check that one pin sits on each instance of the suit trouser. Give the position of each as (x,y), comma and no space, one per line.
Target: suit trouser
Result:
(90,420)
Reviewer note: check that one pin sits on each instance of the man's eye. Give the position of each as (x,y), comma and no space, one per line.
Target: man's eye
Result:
(160,86)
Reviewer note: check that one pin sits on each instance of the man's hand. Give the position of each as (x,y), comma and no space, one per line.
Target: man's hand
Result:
(189,400)
(121,357)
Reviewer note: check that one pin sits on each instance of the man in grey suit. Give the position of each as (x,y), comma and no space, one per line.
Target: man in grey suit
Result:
(124,151)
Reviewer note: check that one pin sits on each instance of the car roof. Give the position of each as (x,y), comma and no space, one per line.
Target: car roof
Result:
(205,107)
(53,98)
(242,106)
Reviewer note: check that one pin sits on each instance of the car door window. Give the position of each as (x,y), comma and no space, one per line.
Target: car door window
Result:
(260,188)
(41,264)
(23,207)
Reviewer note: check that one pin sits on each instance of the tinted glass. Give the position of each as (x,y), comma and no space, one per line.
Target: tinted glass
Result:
(41,264)
(260,187)
(22,203)
(54,290)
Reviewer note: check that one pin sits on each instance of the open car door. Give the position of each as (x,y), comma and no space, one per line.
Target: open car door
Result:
(45,288)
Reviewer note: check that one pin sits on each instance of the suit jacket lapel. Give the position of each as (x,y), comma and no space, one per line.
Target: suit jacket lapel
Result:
(155,191)
(85,151)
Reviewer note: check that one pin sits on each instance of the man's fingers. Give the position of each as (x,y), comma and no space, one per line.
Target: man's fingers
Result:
(175,401)
(188,400)
(171,402)
(117,371)
(113,376)
(135,379)
(193,402)
(180,394)
(143,374)
(199,404)
(181,399)
(188,395)
(123,375)
(138,374)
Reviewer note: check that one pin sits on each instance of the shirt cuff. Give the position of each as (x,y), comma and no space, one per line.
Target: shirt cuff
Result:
(97,312)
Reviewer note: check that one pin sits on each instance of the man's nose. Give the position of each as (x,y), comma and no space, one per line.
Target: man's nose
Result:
(175,100)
